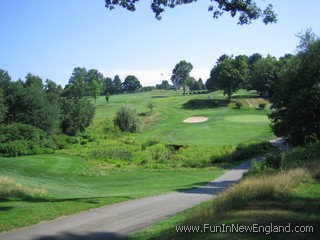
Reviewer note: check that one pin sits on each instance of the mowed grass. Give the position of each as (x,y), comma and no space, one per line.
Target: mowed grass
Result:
(225,126)
(67,191)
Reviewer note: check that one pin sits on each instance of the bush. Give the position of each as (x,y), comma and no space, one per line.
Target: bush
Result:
(238,105)
(115,153)
(127,119)
(262,106)
(240,152)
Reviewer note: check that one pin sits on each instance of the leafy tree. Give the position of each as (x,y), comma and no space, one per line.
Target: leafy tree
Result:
(228,75)
(3,108)
(164,85)
(247,9)
(94,75)
(76,115)
(181,74)
(131,84)
(95,90)
(306,40)
(263,75)
(109,88)
(127,119)
(117,85)
(77,87)
(297,98)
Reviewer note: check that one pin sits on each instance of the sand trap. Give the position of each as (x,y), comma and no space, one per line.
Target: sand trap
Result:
(195,119)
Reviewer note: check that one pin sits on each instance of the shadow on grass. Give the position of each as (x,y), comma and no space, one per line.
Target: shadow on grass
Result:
(88,236)
(204,104)
(159,97)
(91,200)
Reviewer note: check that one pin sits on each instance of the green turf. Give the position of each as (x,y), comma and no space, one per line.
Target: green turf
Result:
(225,126)
(70,192)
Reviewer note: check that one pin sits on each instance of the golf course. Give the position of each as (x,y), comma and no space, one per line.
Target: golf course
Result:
(114,167)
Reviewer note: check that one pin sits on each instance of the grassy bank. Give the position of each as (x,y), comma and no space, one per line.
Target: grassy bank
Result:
(65,190)
(279,198)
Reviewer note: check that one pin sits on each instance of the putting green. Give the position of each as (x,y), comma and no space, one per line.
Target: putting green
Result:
(248,118)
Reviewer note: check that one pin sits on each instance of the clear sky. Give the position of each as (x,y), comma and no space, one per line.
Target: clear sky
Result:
(49,38)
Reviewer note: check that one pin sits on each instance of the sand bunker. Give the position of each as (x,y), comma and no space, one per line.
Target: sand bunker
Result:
(195,119)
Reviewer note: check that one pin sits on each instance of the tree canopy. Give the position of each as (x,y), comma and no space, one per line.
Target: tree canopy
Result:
(248,10)
(297,98)
(181,74)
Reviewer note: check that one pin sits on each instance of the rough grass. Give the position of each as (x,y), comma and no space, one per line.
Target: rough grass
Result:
(10,188)
(287,197)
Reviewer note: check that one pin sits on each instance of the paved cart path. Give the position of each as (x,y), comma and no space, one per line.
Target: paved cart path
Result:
(121,219)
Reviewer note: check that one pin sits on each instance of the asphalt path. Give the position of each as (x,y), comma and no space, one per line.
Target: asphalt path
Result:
(119,220)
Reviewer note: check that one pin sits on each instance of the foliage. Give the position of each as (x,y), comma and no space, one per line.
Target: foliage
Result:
(181,75)
(297,99)
(131,84)
(114,153)
(238,105)
(151,106)
(76,115)
(95,90)
(248,10)
(228,75)
(262,106)
(127,119)
(263,75)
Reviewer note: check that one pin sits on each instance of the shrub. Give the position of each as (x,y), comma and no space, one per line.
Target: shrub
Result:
(115,153)
(262,106)
(238,105)
(127,119)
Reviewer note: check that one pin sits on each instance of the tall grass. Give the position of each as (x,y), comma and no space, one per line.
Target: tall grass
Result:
(10,188)
(265,187)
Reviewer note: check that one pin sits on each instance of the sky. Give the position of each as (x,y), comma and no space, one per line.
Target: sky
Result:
(50,38)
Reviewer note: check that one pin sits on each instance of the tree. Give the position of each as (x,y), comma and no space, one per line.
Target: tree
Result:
(94,75)
(228,75)
(131,84)
(263,75)
(117,85)
(109,88)
(181,75)
(77,87)
(297,98)
(306,40)
(127,119)
(76,115)
(247,9)
(164,85)
(95,90)
(107,96)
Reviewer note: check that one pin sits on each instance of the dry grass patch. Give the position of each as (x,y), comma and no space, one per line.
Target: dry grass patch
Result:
(10,188)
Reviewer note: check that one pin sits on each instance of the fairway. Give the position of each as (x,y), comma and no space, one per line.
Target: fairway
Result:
(252,118)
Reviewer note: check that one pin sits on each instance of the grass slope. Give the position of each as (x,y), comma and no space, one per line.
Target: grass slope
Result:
(225,126)
(69,192)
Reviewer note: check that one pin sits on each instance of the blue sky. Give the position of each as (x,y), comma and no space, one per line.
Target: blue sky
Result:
(49,38)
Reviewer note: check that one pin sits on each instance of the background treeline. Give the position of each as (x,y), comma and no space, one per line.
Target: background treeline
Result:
(253,72)
(292,82)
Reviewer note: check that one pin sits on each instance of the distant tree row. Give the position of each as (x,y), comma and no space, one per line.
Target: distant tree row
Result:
(93,83)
